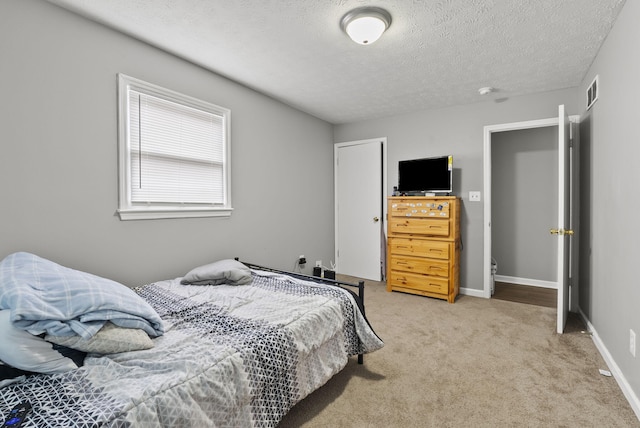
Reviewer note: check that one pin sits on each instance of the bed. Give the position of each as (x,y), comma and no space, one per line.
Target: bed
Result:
(229,344)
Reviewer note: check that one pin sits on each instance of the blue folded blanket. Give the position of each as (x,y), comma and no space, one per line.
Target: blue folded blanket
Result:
(44,297)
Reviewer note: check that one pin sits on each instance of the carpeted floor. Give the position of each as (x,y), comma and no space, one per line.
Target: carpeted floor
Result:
(475,363)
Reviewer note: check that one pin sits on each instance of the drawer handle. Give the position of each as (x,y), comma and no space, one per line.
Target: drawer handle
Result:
(435,250)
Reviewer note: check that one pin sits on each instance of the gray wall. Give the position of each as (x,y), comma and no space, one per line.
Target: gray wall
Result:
(524,202)
(58,157)
(457,131)
(609,149)
(609,202)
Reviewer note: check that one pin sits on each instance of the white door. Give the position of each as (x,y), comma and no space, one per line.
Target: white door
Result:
(358,207)
(563,231)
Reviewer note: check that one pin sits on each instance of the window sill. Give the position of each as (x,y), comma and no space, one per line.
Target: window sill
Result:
(154,213)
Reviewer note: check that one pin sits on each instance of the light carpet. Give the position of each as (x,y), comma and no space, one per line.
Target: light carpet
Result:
(475,363)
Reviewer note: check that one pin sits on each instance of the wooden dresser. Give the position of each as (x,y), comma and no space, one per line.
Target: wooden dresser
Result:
(423,246)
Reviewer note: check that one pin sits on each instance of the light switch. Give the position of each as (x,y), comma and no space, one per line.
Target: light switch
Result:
(474,196)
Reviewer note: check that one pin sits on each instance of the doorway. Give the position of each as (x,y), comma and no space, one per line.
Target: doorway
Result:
(524,204)
(562,228)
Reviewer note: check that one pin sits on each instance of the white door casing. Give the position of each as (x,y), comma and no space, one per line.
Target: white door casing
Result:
(359,212)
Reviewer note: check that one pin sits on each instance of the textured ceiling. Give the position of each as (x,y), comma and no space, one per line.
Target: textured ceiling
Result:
(436,53)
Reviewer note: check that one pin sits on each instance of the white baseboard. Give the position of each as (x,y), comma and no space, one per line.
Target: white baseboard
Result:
(472,292)
(527,281)
(629,394)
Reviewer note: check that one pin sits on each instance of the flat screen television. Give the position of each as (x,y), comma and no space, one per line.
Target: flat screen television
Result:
(426,175)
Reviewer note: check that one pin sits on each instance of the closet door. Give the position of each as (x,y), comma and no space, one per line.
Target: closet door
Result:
(359,211)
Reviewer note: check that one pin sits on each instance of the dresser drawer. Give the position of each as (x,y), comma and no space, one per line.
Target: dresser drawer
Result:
(421,226)
(419,282)
(420,265)
(408,208)
(419,248)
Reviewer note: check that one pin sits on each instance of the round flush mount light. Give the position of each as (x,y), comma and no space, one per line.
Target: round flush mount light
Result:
(365,25)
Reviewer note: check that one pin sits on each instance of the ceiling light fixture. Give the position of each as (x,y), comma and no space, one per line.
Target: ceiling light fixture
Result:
(365,25)
(486,90)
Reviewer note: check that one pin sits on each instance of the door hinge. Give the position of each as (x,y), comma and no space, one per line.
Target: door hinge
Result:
(571,132)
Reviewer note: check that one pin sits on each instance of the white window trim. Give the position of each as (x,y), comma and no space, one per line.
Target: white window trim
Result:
(128,211)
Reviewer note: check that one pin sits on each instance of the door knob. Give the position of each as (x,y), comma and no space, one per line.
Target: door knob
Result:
(376,219)
(561,232)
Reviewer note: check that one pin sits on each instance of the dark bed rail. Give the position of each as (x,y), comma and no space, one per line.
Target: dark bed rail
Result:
(359,285)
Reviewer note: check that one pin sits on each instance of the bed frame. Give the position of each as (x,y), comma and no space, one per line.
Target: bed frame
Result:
(334,282)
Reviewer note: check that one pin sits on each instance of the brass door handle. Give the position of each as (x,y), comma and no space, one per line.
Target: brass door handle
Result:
(561,232)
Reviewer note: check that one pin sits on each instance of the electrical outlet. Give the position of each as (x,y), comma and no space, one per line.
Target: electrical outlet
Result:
(632,342)
(318,263)
(474,196)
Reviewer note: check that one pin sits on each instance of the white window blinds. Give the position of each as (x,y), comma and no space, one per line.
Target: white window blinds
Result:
(173,154)
(177,152)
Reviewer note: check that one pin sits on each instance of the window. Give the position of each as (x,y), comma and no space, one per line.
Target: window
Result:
(173,154)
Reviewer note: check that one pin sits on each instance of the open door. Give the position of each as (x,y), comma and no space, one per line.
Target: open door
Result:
(564,228)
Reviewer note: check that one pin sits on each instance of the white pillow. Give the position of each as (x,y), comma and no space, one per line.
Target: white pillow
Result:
(23,350)
(229,271)
(110,339)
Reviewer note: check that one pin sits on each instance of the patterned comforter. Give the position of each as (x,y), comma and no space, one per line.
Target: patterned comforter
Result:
(231,356)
